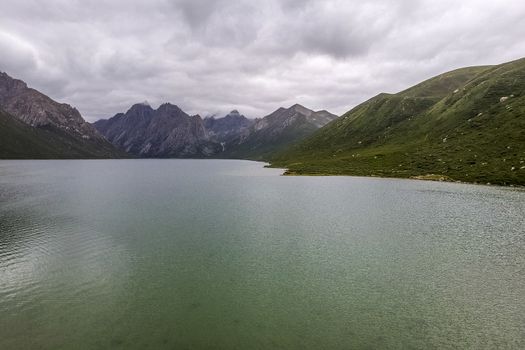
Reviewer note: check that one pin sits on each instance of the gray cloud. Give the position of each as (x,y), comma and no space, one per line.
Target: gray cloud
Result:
(210,56)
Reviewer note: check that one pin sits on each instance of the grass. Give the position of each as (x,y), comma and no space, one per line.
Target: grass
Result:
(21,141)
(454,126)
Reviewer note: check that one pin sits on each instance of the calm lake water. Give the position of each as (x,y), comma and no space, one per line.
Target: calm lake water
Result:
(216,254)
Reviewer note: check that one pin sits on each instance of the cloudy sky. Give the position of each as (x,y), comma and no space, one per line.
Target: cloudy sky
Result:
(211,56)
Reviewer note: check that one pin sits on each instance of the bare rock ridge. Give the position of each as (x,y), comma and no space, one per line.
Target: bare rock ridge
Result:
(169,132)
(231,125)
(73,136)
(36,109)
(276,131)
(49,129)
(165,132)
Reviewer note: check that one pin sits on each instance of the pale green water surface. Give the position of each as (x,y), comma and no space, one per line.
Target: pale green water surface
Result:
(211,254)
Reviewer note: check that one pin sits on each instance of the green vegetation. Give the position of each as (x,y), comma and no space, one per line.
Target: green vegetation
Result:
(276,132)
(21,141)
(262,144)
(465,125)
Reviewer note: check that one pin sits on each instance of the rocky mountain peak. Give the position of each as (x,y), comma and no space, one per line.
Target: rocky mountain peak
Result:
(140,108)
(301,109)
(36,109)
(298,106)
(170,108)
(10,86)
(231,125)
(317,118)
(165,132)
(275,131)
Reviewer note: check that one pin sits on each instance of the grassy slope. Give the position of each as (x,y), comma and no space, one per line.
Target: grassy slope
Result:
(453,125)
(20,141)
(260,146)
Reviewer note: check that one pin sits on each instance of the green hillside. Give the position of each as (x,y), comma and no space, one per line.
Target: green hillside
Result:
(277,131)
(466,125)
(21,141)
(261,145)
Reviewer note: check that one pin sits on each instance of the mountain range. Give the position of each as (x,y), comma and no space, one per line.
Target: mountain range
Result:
(275,132)
(36,126)
(169,132)
(464,125)
(162,133)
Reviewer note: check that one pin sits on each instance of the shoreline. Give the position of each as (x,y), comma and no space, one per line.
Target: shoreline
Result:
(427,177)
(287,172)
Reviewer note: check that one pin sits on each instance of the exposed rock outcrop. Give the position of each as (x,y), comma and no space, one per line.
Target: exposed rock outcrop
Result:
(231,125)
(38,110)
(58,130)
(165,132)
(276,131)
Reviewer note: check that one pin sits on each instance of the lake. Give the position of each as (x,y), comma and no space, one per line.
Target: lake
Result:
(225,254)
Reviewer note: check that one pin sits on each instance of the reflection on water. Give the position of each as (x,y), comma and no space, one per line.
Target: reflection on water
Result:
(225,254)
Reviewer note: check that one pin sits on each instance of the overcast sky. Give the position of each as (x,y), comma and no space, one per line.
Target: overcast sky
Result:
(213,56)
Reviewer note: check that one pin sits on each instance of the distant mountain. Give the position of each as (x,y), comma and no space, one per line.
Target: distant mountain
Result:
(169,132)
(275,132)
(467,124)
(165,132)
(230,126)
(57,130)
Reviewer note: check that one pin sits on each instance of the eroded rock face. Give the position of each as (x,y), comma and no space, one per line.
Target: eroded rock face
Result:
(38,110)
(276,131)
(231,125)
(295,116)
(169,132)
(165,132)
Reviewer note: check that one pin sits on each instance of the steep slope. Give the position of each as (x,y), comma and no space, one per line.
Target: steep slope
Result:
(276,132)
(21,141)
(55,124)
(163,133)
(467,125)
(228,127)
